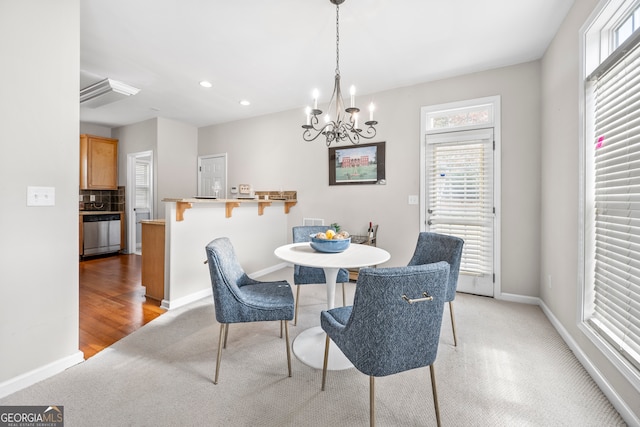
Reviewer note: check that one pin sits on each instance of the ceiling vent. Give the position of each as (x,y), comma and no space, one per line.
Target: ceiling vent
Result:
(105,92)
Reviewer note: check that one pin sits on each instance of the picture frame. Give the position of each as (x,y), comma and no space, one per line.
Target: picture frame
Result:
(357,164)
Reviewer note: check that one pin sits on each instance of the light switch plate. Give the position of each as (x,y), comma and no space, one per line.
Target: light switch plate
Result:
(41,196)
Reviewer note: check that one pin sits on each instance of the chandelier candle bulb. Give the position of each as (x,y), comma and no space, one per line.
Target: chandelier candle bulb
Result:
(308,113)
(352,91)
(371,108)
(315,99)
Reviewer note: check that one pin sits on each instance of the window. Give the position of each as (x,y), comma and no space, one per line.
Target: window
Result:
(143,184)
(611,184)
(624,31)
(461,118)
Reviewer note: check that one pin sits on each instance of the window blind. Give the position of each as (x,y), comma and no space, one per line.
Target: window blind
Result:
(616,216)
(460,188)
(143,188)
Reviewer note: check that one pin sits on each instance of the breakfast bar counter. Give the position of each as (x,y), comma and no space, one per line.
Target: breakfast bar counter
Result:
(262,201)
(254,226)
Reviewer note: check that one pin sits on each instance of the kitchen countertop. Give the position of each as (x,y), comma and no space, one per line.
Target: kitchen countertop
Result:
(99,212)
(153,221)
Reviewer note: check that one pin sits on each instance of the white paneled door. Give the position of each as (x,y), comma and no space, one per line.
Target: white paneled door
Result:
(212,176)
(459,174)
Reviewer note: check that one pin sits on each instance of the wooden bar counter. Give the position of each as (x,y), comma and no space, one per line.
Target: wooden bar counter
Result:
(153,245)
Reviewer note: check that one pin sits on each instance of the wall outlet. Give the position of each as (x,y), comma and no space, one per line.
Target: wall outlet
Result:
(92,198)
(81,198)
(413,200)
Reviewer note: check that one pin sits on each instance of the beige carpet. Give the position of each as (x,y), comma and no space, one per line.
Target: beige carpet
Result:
(510,368)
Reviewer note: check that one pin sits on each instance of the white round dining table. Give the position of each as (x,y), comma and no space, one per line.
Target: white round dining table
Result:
(308,346)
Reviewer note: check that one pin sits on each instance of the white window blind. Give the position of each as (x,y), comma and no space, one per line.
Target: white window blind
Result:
(460,188)
(616,215)
(143,185)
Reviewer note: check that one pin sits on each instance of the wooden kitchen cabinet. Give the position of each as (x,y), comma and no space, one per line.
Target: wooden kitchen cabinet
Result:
(153,258)
(98,163)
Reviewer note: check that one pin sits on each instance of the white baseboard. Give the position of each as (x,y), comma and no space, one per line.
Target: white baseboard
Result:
(179,302)
(623,409)
(522,299)
(39,374)
(268,270)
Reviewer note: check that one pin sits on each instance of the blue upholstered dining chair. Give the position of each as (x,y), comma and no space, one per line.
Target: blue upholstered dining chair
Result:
(238,298)
(311,275)
(434,247)
(393,325)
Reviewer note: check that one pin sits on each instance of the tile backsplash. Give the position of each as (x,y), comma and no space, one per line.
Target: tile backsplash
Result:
(105,200)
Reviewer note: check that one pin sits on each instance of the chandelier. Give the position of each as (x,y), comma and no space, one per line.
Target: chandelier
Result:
(344,125)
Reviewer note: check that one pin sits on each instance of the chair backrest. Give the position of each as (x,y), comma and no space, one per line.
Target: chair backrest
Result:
(301,233)
(434,247)
(227,276)
(387,333)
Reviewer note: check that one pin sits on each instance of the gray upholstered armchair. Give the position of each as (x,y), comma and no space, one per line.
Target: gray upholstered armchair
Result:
(434,247)
(310,275)
(393,325)
(238,298)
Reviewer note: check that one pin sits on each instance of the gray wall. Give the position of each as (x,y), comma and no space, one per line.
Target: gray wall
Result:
(175,160)
(93,129)
(39,82)
(268,152)
(559,204)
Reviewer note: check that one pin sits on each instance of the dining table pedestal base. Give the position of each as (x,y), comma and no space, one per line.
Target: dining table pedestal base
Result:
(309,345)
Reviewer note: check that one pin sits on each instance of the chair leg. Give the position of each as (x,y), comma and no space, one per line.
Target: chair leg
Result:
(372,401)
(220,339)
(326,361)
(286,334)
(453,324)
(435,393)
(226,334)
(344,296)
(295,315)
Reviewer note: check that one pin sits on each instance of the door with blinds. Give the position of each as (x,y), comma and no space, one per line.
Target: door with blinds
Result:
(460,201)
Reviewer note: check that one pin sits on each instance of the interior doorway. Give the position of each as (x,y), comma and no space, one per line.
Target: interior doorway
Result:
(212,175)
(139,194)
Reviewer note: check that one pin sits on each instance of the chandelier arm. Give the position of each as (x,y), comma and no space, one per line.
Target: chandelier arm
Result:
(307,135)
(370,132)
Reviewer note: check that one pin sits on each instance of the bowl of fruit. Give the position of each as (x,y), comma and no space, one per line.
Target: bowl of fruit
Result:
(330,241)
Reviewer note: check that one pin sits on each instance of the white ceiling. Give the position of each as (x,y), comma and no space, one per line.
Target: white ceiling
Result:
(273,53)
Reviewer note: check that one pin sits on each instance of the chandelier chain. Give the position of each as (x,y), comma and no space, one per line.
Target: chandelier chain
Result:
(337,39)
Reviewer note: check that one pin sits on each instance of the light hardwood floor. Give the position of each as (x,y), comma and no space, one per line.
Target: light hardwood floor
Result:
(112,301)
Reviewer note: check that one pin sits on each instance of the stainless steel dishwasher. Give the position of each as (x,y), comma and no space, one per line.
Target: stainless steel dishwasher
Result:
(101,233)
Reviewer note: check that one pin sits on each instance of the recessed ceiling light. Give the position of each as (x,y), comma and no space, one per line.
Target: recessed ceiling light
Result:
(245,102)
(206,84)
